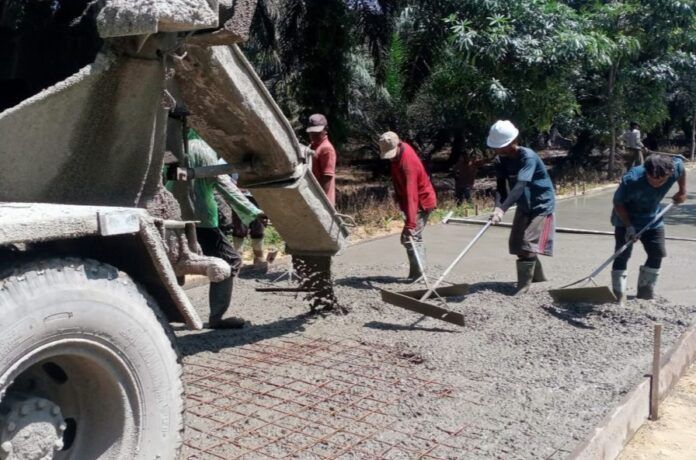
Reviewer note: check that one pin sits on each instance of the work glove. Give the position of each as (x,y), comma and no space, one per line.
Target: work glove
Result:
(630,233)
(497,216)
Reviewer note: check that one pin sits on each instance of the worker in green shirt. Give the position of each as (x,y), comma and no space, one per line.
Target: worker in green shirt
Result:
(211,239)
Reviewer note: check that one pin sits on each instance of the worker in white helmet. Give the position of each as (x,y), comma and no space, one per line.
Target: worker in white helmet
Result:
(522,180)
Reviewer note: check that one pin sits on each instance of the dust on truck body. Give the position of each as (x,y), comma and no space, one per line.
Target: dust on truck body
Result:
(92,247)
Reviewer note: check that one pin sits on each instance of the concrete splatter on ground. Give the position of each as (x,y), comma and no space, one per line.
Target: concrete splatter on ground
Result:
(525,378)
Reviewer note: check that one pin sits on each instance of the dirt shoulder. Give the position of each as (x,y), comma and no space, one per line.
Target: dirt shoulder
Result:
(673,436)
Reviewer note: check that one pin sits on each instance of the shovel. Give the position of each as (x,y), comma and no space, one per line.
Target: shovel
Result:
(595,293)
(415,300)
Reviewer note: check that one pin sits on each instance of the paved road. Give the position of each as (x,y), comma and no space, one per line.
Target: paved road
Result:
(677,282)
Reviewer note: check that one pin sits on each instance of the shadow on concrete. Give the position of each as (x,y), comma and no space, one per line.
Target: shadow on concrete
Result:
(684,214)
(250,273)
(572,314)
(399,327)
(366,282)
(216,340)
(505,288)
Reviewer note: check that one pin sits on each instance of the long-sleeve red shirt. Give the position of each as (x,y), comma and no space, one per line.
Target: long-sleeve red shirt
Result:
(412,186)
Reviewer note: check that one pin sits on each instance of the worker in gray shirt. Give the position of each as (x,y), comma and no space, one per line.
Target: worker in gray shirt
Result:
(634,146)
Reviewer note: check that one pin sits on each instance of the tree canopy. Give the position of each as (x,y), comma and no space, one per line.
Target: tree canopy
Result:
(440,72)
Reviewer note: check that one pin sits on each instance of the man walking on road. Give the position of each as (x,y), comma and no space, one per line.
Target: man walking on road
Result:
(636,203)
(414,194)
(634,145)
(324,161)
(522,180)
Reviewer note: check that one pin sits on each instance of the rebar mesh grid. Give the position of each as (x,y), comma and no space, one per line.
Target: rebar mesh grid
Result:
(310,398)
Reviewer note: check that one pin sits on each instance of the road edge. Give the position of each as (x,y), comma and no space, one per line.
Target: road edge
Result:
(611,435)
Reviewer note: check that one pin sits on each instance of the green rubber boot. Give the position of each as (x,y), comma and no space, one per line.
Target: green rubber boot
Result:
(618,285)
(525,274)
(219,297)
(539,275)
(647,278)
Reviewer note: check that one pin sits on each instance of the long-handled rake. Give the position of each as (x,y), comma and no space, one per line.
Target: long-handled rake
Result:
(596,293)
(415,300)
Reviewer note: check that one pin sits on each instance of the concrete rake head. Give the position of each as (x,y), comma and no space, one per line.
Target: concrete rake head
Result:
(588,294)
(599,294)
(415,300)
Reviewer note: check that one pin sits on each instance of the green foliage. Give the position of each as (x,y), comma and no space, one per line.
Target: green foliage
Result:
(394,80)
(441,71)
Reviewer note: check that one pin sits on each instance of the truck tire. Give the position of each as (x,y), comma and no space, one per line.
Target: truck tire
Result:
(88,367)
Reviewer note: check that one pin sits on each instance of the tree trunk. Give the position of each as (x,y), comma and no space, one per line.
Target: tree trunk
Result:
(457,147)
(693,136)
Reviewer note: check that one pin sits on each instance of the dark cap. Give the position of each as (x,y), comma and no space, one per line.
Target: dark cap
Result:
(317,123)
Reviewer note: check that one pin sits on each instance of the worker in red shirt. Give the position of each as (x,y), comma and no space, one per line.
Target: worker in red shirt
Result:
(324,161)
(414,194)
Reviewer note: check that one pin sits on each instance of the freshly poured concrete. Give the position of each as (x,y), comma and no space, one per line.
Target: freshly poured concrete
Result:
(532,378)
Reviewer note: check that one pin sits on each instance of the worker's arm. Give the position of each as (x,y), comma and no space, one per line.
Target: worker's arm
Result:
(524,177)
(501,191)
(240,204)
(622,212)
(680,196)
(326,163)
(411,199)
(514,195)
(325,182)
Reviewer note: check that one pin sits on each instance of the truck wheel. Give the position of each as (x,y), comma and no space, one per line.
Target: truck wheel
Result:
(88,368)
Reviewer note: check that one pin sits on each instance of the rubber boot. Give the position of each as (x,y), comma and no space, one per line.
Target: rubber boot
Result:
(414,271)
(420,251)
(618,285)
(539,275)
(525,274)
(257,247)
(647,278)
(238,244)
(219,297)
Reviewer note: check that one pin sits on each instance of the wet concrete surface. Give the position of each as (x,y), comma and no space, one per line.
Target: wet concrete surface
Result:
(525,378)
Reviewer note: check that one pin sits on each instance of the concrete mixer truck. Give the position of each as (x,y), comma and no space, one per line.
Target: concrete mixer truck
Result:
(92,246)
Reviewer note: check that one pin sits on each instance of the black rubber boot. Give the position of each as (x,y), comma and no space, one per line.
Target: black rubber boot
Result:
(219,298)
(539,275)
(414,271)
(525,274)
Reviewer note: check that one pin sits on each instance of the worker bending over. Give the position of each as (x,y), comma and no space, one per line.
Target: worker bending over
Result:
(636,203)
(414,194)
(522,180)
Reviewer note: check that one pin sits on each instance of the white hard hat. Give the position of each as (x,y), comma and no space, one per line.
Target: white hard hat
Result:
(502,133)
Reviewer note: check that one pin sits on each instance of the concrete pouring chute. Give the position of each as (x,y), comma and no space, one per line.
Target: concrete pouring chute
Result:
(235,114)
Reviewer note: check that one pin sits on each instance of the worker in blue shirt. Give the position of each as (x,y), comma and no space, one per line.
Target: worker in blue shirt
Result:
(636,203)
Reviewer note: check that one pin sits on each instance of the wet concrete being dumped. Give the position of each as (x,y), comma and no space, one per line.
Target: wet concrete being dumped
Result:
(524,378)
